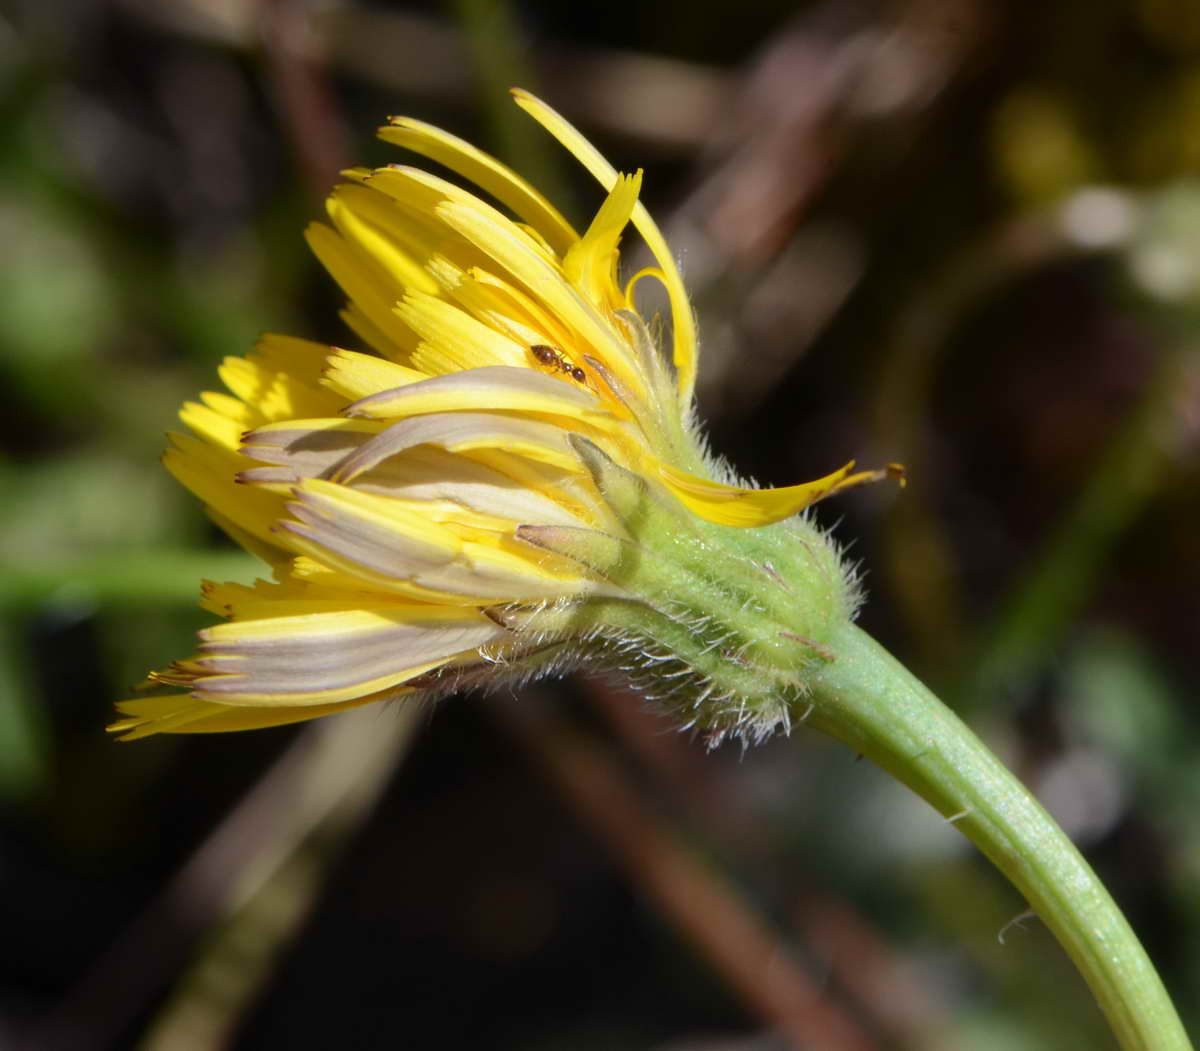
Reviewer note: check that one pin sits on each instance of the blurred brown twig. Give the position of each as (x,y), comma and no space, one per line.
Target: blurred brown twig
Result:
(708,911)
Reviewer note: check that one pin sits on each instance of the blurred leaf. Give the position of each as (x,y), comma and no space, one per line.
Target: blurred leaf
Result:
(22,733)
(1116,694)
(139,577)
(65,508)
(56,304)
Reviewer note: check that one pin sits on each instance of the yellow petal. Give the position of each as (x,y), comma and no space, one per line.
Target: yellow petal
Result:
(235,409)
(356,375)
(362,218)
(546,283)
(592,263)
(420,193)
(289,597)
(369,287)
(746,508)
(396,344)
(499,304)
(271,553)
(415,196)
(604,173)
(217,427)
(302,358)
(183,714)
(211,472)
(484,170)
(275,394)
(456,337)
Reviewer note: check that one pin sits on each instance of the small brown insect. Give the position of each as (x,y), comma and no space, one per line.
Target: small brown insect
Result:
(553,358)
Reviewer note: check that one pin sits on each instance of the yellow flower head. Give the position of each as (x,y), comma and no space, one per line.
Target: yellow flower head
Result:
(507,483)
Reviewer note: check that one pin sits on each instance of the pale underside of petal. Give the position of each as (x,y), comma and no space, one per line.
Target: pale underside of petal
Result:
(422,472)
(684,325)
(373,539)
(368,531)
(493,387)
(332,656)
(570,488)
(485,171)
(430,473)
(298,449)
(463,432)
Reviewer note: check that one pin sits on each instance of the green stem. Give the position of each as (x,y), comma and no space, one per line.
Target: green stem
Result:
(871,702)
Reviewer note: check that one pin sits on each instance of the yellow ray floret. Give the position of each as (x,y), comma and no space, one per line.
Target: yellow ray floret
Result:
(184,714)
(749,508)
(354,375)
(459,340)
(329,656)
(592,264)
(486,172)
(372,290)
(544,280)
(352,209)
(302,358)
(685,354)
(211,473)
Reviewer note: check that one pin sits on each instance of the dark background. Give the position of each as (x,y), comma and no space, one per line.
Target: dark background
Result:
(957,235)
